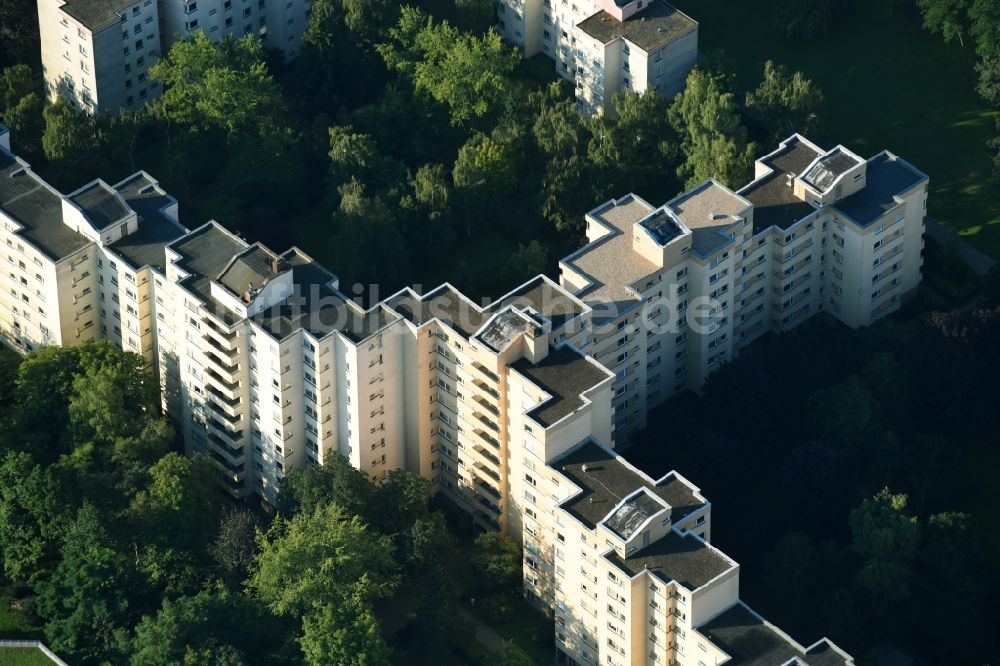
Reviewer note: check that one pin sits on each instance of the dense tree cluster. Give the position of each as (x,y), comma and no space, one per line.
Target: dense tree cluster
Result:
(807,19)
(99,518)
(125,551)
(18,32)
(840,459)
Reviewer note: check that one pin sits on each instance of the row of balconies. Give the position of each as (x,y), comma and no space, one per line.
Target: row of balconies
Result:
(794,252)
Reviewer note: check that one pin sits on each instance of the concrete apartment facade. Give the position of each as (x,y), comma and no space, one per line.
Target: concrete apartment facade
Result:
(605,46)
(624,564)
(815,230)
(96,54)
(512,409)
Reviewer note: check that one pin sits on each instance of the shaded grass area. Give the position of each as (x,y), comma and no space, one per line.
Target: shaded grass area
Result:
(888,84)
(23,657)
(13,624)
(528,629)
(947,273)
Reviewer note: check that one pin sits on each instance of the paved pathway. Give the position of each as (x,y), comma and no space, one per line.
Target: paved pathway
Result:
(979,260)
(485,635)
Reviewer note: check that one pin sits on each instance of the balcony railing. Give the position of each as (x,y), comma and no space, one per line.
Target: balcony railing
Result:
(483,386)
(487,406)
(492,425)
(227,368)
(487,455)
(485,436)
(487,373)
(222,397)
(487,471)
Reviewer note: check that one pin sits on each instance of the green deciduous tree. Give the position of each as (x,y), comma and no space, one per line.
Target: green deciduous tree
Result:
(989,79)
(177,507)
(807,19)
(432,189)
(328,568)
(218,85)
(496,562)
(111,400)
(484,170)
(46,389)
(633,149)
(477,14)
(470,74)
(84,602)
(369,18)
(346,632)
(365,233)
(69,141)
(236,542)
(214,626)
(21,107)
(714,142)
(784,104)
(886,539)
(352,155)
(30,517)
(305,489)
(18,31)
(321,557)
(950,18)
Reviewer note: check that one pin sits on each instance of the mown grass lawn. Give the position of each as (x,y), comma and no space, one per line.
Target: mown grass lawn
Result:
(23,657)
(888,84)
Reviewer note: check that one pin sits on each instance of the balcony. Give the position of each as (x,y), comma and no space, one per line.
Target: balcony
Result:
(489,423)
(235,453)
(227,400)
(232,419)
(791,254)
(487,471)
(485,436)
(484,517)
(232,435)
(227,339)
(486,389)
(235,470)
(219,381)
(488,406)
(488,504)
(486,487)
(895,251)
(791,286)
(485,372)
(226,369)
(487,455)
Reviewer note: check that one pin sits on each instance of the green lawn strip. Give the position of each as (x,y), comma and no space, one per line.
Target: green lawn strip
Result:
(889,84)
(10,656)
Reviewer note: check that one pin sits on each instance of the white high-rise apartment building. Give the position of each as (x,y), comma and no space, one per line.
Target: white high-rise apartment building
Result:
(510,408)
(624,563)
(96,54)
(267,366)
(605,46)
(814,231)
